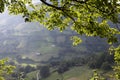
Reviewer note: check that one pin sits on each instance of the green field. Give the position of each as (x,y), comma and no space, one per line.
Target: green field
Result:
(75,73)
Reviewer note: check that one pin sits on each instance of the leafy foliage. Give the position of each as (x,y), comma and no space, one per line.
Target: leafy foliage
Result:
(81,16)
(96,76)
(116,52)
(5,68)
(76,40)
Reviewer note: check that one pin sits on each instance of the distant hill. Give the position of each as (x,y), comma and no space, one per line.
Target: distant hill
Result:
(27,39)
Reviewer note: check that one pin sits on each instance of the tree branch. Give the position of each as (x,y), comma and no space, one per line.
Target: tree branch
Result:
(59,8)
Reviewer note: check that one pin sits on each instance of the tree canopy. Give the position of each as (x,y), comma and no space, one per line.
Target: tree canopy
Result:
(85,17)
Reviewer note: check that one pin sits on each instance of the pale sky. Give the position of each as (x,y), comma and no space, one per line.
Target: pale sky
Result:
(35,1)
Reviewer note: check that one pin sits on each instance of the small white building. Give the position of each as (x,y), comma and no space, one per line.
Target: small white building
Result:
(38,54)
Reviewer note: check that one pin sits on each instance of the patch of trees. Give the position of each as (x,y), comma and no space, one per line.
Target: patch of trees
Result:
(22,71)
(103,61)
(18,76)
(96,44)
(44,71)
(59,66)
(63,68)
(54,63)
(64,65)
(70,63)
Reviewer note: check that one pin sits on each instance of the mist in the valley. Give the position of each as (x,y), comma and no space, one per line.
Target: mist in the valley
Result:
(31,40)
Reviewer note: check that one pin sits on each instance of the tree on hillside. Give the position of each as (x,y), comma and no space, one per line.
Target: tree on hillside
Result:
(44,71)
(28,69)
(85,17)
